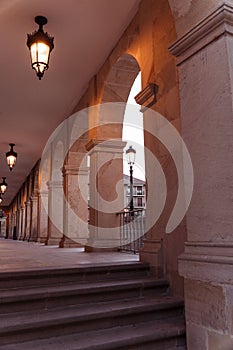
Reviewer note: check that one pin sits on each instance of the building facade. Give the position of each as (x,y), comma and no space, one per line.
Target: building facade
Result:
(139,193)
(186,49)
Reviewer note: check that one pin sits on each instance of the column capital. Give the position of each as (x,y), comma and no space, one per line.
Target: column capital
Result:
(74,170)
(55,184)
(218,23)
(111,146)
(42,193)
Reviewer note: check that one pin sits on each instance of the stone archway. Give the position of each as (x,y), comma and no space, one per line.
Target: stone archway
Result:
(105,148)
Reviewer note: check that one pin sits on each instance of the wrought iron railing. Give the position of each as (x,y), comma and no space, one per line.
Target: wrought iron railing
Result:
(132,230)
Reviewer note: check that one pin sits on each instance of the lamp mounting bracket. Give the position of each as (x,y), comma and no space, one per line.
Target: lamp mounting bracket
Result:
(41,20)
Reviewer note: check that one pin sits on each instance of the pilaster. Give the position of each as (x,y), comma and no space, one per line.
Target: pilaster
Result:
(205,61)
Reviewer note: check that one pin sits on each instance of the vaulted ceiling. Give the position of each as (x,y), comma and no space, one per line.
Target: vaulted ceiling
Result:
(85,32)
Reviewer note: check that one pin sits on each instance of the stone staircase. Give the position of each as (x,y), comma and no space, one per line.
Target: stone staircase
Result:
(91,308)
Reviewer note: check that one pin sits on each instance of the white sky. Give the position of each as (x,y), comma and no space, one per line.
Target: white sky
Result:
(133,132)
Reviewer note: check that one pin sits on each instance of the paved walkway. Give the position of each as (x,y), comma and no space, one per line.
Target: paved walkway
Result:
(19,255)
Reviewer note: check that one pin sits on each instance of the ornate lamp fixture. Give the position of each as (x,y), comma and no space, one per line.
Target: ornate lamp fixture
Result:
(40,45)
(11,156)
(0,198)
(3,185)
(131,153)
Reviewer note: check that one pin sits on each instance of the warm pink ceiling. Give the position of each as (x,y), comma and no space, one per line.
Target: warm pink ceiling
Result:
(85,32)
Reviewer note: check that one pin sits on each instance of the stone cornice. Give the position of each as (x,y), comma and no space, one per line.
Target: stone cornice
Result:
(218,23)
(147,97)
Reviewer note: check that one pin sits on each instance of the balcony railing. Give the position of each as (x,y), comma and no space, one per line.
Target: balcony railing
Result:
(132,230)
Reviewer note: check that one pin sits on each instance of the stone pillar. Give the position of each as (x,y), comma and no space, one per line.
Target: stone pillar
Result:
(3,227)
(10,227)
(20,222)
(22,225)
(27,229)
(55,212)
(106,193)
(42,221)
(205,61)
(34,218)
(17,222)
(75,225)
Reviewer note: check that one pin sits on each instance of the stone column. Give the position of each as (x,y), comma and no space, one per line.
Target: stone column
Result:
(10,227)
(106,193)
(22,224)
(3,227)
(55,212)
(205,61)
(27,229)
(34,218)
(18,222)
(75,225)
(42,222)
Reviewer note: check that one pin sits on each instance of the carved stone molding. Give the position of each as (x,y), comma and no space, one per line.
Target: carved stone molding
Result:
(218,23)
(112,146)
(74,170)
(55,184)
(147,97)
(206,261)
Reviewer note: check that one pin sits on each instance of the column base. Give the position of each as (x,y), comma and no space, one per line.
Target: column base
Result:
(102,245)
(207,268)
(67,242)
(41,240)
(152,253)
(89,249)
(52,241)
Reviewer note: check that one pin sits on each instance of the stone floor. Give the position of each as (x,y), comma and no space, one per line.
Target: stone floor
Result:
(19,255)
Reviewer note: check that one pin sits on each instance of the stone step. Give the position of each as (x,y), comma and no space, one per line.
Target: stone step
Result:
(81,274)
(120,306)
(26,326)
(159,335)
(45,297)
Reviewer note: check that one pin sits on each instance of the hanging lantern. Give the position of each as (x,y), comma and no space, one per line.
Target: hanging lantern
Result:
(3,185)
(11,156)
(40,45)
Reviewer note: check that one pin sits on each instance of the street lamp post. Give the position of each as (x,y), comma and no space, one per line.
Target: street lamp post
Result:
(131,153)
